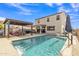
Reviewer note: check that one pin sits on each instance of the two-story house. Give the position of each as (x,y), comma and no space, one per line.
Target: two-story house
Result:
(55,23)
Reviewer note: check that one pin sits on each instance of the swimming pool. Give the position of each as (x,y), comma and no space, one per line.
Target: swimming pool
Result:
(46,45)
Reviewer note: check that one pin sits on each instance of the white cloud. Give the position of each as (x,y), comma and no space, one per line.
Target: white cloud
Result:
(62,9)
(2,18)
(23,10)
(72,5)
(74,9)
(74,21)
(72,14)
(59,4)
(75,6)
(31,4)
(23,13)
(49,4)
(52,4)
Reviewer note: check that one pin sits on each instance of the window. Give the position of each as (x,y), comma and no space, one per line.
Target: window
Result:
(58,17)
(50,28)
(47,19)
(38,21)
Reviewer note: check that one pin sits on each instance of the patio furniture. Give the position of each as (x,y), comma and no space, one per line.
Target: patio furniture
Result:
(1,32)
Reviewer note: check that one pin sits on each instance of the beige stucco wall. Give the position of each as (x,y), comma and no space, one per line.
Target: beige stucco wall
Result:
(59,24)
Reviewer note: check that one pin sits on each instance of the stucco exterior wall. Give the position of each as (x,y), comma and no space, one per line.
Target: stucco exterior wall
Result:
(59,24)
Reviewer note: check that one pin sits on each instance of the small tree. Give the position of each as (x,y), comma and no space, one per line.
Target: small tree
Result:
(1,26)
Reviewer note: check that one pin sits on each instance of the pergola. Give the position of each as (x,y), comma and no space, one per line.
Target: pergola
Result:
(7,23)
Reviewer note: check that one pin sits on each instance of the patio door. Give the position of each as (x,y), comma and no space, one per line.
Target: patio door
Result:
(43,30)
(38,29)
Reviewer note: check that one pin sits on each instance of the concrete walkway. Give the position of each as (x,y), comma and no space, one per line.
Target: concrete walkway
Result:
(75,50)
(6,48)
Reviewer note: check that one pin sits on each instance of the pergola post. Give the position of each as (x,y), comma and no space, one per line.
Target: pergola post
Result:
(22,30)
(6,29)
(31,29)
(40,29)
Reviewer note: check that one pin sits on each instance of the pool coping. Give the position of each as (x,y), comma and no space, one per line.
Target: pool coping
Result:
(65,46)
(36,36)
(28,37)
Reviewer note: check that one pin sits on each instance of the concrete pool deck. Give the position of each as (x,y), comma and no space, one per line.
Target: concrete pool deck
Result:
(69,48)
(75,50)
(7,49)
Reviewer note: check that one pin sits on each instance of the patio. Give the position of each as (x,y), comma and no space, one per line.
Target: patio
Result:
(22,24)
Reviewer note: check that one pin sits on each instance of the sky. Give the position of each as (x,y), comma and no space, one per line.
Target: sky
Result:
(31,11)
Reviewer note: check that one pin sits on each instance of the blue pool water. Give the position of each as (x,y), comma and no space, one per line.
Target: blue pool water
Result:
(40,46)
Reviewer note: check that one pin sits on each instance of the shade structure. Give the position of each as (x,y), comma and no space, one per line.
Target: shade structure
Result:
(8,21)
(17,22)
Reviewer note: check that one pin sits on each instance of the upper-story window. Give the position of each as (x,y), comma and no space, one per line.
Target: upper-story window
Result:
(58,17)
(38,21)
(47,19)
